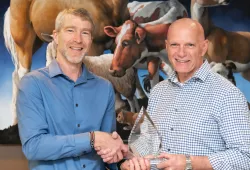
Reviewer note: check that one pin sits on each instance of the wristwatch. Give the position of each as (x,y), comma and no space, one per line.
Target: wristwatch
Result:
(188,163)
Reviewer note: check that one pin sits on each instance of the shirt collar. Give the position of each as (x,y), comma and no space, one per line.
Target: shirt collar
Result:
(200,74)
(55,70)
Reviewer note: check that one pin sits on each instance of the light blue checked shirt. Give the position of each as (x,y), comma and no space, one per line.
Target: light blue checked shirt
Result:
(56,114)
(205,116)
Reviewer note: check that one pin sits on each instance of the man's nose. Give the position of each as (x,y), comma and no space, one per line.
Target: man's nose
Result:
(78,38)
(181,51)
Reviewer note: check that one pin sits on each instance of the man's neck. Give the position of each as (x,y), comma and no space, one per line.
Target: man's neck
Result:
(183,77)
(73,71)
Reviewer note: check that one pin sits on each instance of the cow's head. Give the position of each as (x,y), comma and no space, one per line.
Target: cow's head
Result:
(129,41)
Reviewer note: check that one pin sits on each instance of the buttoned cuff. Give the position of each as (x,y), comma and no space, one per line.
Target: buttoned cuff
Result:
(82,143)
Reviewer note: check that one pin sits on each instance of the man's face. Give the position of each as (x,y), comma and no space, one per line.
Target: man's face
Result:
(74,39)
(185,50)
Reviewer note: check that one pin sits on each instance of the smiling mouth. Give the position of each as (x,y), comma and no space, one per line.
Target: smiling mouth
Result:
(181,61)
(76,48)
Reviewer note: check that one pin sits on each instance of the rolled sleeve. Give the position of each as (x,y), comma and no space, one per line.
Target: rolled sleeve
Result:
(235,130)
(223,160)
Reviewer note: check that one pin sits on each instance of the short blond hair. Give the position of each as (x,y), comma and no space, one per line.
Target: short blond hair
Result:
(80,12)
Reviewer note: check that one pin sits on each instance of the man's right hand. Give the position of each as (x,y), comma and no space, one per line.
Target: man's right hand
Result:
(109,147)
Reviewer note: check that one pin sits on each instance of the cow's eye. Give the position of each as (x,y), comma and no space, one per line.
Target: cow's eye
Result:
(125,43)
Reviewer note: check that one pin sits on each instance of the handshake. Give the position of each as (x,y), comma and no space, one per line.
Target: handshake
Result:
(110,147)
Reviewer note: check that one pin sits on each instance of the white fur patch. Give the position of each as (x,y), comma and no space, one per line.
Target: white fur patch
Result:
(22,71)
(197,11)
(169,11)
(125,28)
(135,6)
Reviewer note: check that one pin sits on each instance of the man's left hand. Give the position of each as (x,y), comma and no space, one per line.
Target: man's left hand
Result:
(173,162)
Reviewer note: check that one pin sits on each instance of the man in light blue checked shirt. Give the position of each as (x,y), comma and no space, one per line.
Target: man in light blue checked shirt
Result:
(203,118)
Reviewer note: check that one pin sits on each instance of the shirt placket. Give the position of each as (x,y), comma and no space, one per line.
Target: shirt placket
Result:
(173,119)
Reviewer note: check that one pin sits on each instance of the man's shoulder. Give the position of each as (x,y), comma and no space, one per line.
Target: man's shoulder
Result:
(220,80)
(34,75)
(160,86)
(100,79)
(221,83)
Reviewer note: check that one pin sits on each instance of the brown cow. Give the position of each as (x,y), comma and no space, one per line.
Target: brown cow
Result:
(224,46)
(26,20)
(143,37)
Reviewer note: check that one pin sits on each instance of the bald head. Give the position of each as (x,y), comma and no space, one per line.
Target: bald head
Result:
(187,23)
(186,46)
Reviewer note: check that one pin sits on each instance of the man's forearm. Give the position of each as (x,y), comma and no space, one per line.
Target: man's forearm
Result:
(200,163)
(48,147)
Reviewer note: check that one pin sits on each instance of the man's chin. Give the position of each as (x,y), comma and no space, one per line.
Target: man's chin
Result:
(75,60)
(181,70)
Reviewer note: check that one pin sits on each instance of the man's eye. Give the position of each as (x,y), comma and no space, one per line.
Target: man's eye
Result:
(86,33)
(125,43)
(70,30)
(190,45)
(173,45)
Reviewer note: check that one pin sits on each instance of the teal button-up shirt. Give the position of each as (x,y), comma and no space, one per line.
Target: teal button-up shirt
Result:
(56,114)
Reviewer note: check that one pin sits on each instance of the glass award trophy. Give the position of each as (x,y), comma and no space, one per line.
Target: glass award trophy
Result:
(144,139)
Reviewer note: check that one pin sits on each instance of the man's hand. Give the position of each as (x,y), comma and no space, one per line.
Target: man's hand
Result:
(136,163)
(110,147)
(174,161)
(125,165)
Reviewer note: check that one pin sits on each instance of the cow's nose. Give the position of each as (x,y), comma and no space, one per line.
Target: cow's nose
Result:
(112,72)
(117,73)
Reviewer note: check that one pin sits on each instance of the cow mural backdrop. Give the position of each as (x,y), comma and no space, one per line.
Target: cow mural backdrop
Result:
(226,25)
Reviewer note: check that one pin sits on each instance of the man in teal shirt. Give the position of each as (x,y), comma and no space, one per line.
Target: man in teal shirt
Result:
(64,111)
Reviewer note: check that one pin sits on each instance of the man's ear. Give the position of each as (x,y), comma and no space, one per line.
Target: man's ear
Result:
(166,44)
(55,36)
(204,47)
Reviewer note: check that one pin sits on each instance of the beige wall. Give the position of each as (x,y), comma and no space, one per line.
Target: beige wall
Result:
(12,158)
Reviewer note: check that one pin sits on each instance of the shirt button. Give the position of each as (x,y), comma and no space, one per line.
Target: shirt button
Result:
(84,166)
(168,150)
(78,125)
(172,129)
(76,105)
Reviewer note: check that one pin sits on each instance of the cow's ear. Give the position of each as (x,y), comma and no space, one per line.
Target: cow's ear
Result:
(140,34)
(111,31)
